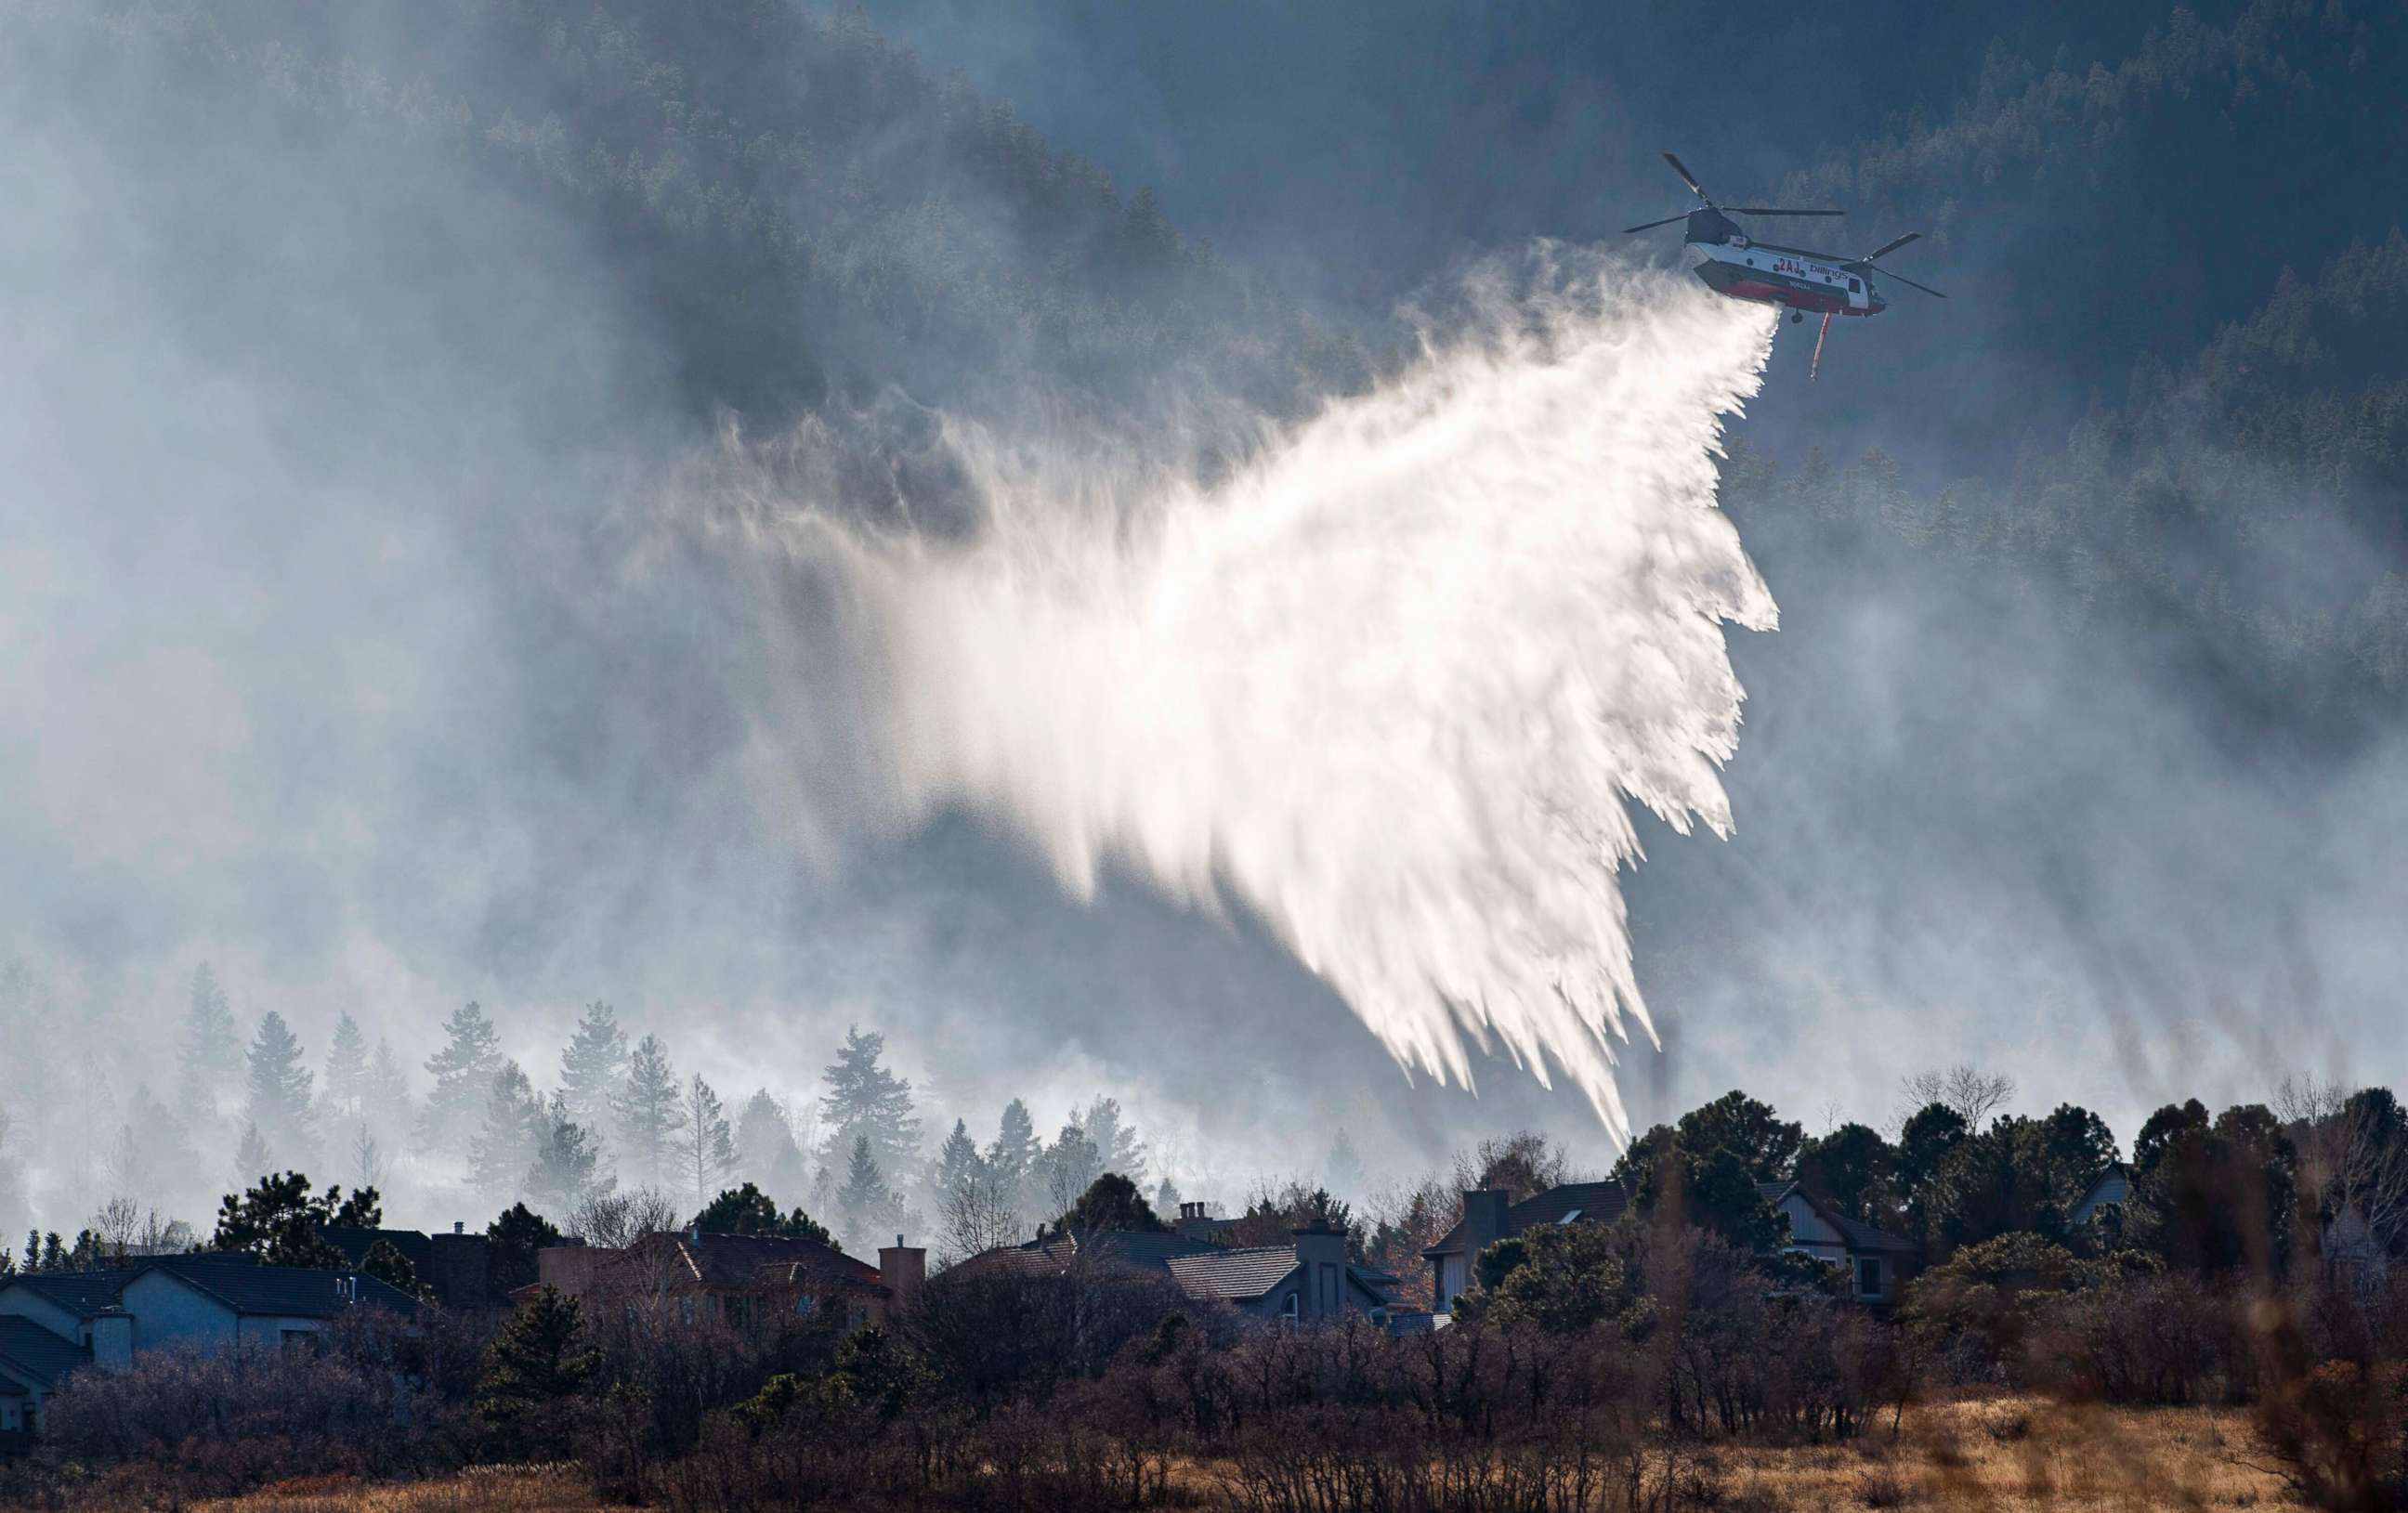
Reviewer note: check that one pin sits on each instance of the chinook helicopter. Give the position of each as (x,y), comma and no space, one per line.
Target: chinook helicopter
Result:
(1740,266)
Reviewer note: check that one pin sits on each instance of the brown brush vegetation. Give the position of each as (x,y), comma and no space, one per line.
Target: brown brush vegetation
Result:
(1994,1453)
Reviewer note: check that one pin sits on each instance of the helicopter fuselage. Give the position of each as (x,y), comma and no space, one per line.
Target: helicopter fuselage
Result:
(1730,263)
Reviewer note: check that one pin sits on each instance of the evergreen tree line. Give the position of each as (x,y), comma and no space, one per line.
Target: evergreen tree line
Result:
(618,1130)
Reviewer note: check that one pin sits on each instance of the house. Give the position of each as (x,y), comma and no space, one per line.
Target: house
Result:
(1878,1263)
(1310,1279)
(456,1268)
(52,1323)
(2112,1185)
(1489,1216)
(737,1279)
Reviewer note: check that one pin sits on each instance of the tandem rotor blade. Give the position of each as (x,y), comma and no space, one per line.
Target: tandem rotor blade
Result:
(1686,177)
(1652,224)
(1911,284)
(1759,210)
(1889,246)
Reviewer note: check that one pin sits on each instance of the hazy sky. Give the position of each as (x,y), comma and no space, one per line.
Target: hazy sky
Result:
(371,626)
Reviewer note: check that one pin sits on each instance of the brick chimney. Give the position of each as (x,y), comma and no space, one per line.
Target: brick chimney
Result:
(902,1268)
(462,1266)
(1194,1224)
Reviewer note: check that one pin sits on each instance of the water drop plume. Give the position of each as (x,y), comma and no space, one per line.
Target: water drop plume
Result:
(1391,682)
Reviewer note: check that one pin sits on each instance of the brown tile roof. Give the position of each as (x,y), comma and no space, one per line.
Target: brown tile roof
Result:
(1234,1276)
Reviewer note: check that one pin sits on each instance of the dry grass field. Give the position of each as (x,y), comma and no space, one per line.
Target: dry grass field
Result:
(2012,1454)
(2005,1454)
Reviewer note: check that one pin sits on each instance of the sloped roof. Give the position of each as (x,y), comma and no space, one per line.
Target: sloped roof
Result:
(235,1279)
(1234,1276)
(1580,1203)
(355,1243)
(1055,1254)
(82,1294)
(1864,1237)
(1050,1258)
(292,1292)
(38,1353)
(1147,1250)
(1853,1233)
(734,1262)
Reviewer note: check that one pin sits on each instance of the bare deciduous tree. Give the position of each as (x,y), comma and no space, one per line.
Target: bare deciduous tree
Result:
(615,1221)
(975,1213)
(1974,1093)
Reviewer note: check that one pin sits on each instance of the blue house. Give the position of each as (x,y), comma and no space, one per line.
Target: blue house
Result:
(54,1323)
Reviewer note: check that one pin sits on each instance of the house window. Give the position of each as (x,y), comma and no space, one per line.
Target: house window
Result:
(1288,1309)
(1869,1276)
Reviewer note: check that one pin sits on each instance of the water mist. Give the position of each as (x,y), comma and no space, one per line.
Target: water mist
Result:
(1389,684)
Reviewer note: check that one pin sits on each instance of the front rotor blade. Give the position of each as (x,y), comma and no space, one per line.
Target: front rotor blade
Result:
(1652,224)
(1887,248)
(1760,210)
(1686,177)
(1911,284)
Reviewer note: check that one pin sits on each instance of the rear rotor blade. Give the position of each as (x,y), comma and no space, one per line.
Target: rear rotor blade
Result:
(1911,284)
(1686,177)
(1760,210)
(1889,246)
(1652,224)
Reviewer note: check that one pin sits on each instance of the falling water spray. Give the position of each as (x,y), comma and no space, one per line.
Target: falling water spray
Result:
(1391,684)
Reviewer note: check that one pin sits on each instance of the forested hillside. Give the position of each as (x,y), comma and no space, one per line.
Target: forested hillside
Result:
(799,207)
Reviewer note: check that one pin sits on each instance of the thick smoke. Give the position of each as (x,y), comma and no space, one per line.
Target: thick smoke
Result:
(1390,683)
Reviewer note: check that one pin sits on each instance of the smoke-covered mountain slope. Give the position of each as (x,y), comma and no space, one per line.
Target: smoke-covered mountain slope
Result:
(794,206)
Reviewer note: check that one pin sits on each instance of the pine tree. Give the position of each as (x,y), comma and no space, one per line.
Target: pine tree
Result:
(464,1079)
(865,1205)
(864,1099)
(567,1172)
(1013,1154)
(1165,1199)
(959,1167)
(278,1103)
(765,1150)
(209,1049)
(507,1137)
(146,1149)
(974,1207)
(1068,1168)
(594,1064)
(535,1362)
(347,1071)
(252,1161)
(387,1095)
(1117,1146)
(706,1151)
(651,1112)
